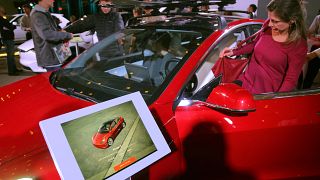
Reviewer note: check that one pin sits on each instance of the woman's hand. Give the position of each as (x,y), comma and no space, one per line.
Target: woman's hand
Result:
(226,52)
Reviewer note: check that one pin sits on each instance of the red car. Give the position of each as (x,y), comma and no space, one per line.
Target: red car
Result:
(108,132)
(215,130)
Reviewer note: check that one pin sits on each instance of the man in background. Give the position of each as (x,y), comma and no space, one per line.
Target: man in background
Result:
(46,35)
(252,10)
(6,29)
(25,22)
(105,23)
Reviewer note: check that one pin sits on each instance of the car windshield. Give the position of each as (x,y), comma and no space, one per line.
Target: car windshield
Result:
(105,128)
(143,59)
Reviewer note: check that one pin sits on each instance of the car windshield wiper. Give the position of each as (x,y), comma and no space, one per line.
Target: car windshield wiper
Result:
(71,92)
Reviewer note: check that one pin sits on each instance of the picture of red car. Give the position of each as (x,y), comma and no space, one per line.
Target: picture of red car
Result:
(108,132)
(216,130)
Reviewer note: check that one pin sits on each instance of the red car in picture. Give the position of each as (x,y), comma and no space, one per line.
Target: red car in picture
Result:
(108,132)
(215,130)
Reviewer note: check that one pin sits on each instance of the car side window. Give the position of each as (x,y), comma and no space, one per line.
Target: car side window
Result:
(113,124)
(17,21)
(255,28)
(116,120)
(204,74)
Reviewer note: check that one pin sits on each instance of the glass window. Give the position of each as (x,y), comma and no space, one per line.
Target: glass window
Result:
(133,60)
(204,74)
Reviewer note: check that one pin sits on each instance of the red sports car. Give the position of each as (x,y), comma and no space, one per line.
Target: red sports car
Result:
(215,130)
(108,132)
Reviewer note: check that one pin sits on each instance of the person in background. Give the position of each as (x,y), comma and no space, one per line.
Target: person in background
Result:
(151,14)
(136,13)
(278,52)
(161,55)
(6,30)
(73,18)
(46,35)
(25,22)
(204,8)
(313,64)
(57,21)
(304,9)
(252,10)
(105,23)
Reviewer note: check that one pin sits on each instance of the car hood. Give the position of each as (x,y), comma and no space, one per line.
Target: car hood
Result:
(23,104)
(97,138)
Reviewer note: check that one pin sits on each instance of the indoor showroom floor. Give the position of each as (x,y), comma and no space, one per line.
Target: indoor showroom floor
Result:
(5,78)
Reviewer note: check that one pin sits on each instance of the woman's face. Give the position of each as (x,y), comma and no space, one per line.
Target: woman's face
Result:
(104,8)
(276,24)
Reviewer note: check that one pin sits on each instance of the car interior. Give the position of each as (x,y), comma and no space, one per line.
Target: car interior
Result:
(143,62)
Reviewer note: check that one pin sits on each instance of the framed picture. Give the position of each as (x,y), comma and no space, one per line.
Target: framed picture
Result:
(109,140)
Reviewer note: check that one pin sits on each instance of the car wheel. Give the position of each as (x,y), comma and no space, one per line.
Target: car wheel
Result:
(123,124)
(110,141)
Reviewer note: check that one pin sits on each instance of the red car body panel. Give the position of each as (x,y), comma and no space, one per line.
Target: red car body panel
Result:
(278,140)
(97,140)
(23,105)
(260,143)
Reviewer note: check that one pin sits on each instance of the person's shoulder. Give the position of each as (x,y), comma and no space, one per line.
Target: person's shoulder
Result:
(36,13)
(303,42)
(24,16)
(298,46)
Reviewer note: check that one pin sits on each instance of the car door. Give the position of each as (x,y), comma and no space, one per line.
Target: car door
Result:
(116,128)
(19,34)
(279,139)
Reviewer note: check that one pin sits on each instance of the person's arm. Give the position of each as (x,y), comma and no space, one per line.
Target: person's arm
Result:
(119,25)
(244,49)
(7,25)
(296,59)
(313,54)
(313,29)
(41,24)
(23,24)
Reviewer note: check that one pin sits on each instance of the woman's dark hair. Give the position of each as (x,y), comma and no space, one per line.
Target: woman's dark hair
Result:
(290,11)
(254,7)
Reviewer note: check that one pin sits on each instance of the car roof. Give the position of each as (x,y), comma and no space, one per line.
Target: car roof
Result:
(109,121)
(63,20)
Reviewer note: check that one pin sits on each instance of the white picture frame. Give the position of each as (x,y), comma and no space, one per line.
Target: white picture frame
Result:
(67,137)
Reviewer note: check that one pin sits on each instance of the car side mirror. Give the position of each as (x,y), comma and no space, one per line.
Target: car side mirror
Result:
(231,97)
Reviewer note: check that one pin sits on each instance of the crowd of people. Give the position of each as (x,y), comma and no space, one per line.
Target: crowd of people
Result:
(278,52)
